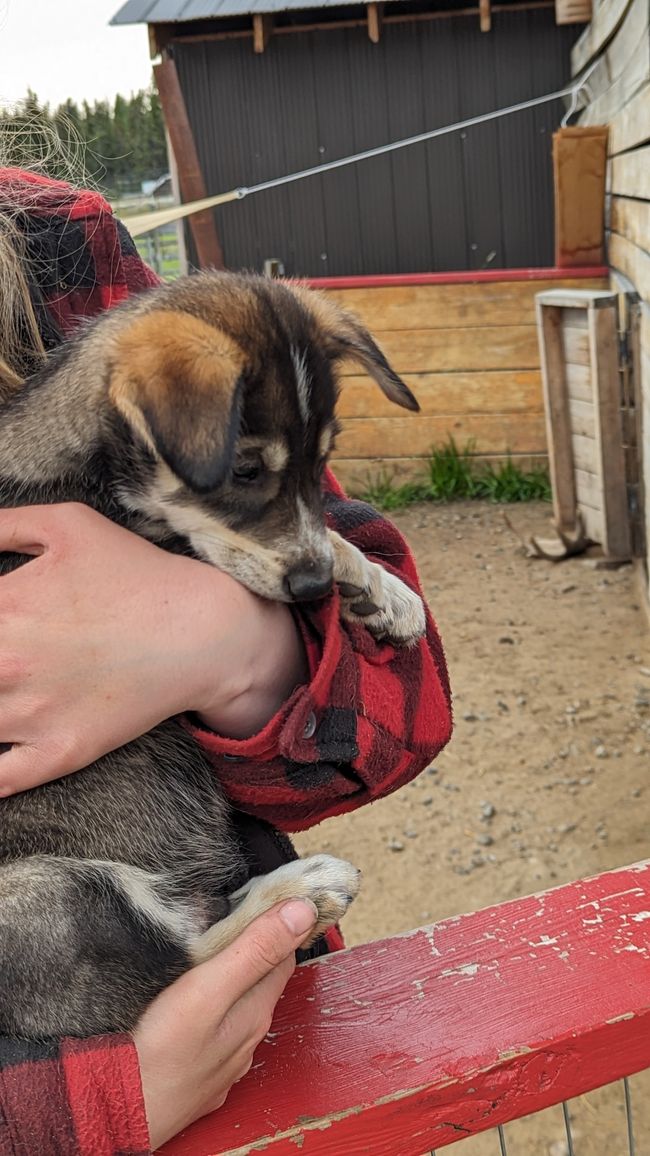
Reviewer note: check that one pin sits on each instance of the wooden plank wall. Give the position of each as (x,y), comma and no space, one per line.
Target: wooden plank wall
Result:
(470,354)
(618,38)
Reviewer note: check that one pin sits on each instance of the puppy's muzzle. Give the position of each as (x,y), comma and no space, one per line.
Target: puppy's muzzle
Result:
(309,581)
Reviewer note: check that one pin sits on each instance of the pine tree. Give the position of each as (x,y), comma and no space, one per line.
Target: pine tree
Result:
(124,141)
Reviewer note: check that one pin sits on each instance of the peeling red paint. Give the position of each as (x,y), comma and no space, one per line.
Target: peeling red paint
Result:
(419,1045)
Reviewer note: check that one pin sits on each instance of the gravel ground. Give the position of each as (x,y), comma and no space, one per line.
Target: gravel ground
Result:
(545,779)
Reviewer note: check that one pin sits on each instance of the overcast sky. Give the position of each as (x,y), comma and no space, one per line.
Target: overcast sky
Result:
(65,48)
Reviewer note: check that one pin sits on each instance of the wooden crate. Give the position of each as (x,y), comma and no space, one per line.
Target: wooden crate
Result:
(578,333)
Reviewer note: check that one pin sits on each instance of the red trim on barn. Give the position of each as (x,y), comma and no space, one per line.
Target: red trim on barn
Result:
(405,1045)
(477,276)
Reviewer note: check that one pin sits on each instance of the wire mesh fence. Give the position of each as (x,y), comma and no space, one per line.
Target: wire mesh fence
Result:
(160,250)
(611,1121)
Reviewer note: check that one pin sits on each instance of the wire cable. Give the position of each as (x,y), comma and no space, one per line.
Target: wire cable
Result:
(144,222)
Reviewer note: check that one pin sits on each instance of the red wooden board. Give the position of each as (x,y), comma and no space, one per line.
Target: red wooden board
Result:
(466,278)
(405,1045)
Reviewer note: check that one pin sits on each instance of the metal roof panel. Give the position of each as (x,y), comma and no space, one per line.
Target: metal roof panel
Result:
(171,11)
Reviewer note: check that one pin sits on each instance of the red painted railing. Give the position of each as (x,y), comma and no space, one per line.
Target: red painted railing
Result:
(473,277)
(405,1045)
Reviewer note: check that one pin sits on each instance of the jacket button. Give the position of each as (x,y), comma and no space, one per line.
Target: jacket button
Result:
(310,726)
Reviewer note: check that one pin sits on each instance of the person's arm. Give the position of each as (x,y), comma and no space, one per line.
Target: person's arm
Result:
(104,635)
(116,1094)
(143,635)
(370,717)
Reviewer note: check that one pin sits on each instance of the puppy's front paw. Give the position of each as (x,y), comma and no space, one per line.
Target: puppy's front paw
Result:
(385,605)
(330,883)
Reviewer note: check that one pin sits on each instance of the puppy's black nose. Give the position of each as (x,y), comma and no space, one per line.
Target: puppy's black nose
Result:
(309,581)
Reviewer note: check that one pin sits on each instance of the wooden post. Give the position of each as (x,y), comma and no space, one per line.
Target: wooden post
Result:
(603,347)
(634,343)
(558,429)
(192,184)
(375,14)
(262,29)
(573,11)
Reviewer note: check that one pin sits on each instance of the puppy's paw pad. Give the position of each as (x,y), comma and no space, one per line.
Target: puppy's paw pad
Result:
(389,610)
(331,884)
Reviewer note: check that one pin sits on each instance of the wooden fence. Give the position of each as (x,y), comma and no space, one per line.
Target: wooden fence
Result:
(467,346)
(407,1045)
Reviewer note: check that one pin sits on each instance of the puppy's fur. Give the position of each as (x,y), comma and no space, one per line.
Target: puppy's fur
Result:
(200,416)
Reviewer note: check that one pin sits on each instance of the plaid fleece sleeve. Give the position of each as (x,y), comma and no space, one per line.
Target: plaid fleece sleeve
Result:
(71,1098)
(81,259)
(372,717)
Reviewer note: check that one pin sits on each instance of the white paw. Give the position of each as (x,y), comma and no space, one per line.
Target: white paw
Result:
(330,883)
(370,595)
(386,606)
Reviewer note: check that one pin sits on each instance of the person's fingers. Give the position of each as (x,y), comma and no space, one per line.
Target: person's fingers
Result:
(270,939)
(207,992)
(23,766)
(256,1006)
(22,529)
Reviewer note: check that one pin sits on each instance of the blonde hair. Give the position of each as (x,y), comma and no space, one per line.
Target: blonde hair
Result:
(28,143)
(21,344)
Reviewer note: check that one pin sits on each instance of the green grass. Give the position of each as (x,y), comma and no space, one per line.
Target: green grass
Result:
(452,474)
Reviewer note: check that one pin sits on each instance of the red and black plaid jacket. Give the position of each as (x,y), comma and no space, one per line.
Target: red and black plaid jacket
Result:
(370,719)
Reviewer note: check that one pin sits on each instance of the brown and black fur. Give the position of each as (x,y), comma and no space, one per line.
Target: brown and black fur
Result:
(200,416)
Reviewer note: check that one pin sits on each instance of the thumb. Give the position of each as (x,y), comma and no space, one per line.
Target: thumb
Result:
(262,946)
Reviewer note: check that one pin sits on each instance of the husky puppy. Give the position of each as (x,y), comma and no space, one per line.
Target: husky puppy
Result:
(201,416)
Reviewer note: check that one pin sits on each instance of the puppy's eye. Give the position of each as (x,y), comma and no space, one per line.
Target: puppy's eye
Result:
(245,472)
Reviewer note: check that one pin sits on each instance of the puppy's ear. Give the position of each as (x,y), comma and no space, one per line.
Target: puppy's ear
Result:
(354,343)
(346,339)
(178,382)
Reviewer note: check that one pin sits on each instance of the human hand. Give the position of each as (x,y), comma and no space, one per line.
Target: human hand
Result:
(198,1037)
(104,635)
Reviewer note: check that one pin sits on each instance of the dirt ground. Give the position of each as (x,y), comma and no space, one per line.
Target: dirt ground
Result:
(545,777)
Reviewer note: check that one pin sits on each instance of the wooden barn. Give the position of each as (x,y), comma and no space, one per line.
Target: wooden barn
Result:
(274,86)
(440,246)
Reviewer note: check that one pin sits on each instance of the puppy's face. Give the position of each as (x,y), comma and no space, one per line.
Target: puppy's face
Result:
(229,385)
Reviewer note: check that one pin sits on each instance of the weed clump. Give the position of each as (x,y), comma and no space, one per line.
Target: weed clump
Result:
(451,474)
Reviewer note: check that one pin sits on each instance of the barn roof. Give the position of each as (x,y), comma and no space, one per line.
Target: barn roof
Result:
(170,11)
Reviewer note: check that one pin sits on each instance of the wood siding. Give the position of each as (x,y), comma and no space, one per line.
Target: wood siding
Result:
(618,38)
(476,199)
